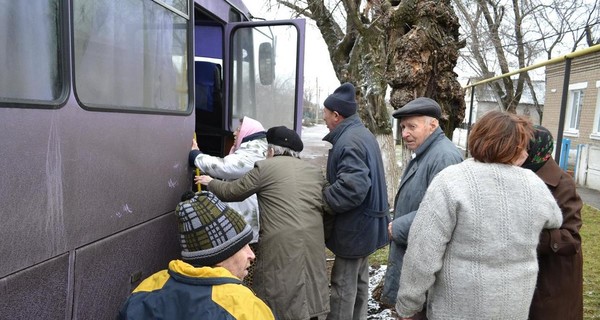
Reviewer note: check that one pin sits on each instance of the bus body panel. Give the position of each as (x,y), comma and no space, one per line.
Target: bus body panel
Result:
(91,174)
(89,193)
(223,9)
(127,259)
(39,292)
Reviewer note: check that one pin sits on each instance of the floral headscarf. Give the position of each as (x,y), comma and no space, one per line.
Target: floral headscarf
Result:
(540,149)
(247,127)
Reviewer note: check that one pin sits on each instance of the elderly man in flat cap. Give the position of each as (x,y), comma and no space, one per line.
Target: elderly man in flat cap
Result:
(432,151)
(290,273)
(357,194)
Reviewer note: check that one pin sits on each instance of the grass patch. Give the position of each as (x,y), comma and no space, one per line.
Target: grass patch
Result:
(379,257)
(590,234)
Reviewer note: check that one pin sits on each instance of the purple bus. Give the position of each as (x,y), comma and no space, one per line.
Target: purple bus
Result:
(99,102)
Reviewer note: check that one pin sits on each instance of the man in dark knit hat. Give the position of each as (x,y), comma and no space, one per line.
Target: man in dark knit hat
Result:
(207,282)
(357,195)
(432,151)
(291,274)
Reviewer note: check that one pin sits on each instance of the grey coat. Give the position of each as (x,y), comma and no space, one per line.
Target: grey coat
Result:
(435,154)
(472,246)
(290,273)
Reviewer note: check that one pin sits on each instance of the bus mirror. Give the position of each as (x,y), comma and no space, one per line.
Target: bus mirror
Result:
(266,65)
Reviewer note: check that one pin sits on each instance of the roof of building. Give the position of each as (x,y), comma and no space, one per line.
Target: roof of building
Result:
(484,93)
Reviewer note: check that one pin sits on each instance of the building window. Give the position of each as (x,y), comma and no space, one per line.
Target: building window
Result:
(574,104)
(596,128)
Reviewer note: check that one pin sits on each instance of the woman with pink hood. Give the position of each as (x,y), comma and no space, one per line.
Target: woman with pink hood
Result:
(250,145)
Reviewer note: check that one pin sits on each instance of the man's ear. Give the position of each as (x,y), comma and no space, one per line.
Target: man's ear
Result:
(338,117)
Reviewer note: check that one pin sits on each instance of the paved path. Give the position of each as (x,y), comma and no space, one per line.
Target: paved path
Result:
(589,196)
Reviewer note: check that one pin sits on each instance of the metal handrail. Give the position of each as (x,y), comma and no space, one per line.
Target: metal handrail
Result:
(563,104)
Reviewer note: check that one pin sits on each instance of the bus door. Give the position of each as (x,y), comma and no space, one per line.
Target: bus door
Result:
(266,72)
(258,74)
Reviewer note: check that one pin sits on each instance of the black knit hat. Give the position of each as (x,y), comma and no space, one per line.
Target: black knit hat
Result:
(210,231)
(342,100)
(284,137)
(421,106)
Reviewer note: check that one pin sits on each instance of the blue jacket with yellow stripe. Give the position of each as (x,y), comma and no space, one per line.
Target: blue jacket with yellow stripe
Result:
(186,292)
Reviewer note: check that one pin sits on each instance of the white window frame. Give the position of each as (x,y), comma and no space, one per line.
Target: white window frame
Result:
(596,128)
(572,125)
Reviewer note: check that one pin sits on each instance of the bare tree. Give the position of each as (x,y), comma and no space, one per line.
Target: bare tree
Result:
(568,25)
(410,46)
(505,35)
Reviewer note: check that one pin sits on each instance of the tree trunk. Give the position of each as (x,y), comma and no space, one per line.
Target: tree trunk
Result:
(388,151)
(409,45)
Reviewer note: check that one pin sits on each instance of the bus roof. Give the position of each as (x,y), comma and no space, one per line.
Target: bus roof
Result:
(221,8)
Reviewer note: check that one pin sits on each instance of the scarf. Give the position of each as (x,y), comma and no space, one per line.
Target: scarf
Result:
(248,127)
(540,149)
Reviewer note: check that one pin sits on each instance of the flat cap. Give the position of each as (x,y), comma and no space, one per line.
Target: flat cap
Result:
(284,137)
(421,106)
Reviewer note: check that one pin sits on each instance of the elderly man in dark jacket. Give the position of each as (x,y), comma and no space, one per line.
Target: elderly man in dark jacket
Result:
(432,152)
(357,195)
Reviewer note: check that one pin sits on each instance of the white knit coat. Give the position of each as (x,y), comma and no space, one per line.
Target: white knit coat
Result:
(472,245)
(234,166)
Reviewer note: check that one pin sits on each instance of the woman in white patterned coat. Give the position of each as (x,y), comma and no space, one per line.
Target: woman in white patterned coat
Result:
(472,246)
(250,145)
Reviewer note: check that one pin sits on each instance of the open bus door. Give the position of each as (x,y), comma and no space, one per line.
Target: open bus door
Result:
(260,75)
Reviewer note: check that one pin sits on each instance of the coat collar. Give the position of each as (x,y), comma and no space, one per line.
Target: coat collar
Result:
(550,173)
(435,135)
(188,270)
(335,134)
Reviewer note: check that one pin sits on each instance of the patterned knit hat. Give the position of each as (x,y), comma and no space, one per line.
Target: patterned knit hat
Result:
(210,231)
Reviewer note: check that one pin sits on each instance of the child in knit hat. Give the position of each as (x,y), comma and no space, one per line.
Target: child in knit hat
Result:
(207,282)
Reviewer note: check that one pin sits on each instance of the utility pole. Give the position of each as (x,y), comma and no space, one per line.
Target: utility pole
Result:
(318,104)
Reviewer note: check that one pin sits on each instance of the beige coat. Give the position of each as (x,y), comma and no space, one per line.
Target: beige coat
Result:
(290,274)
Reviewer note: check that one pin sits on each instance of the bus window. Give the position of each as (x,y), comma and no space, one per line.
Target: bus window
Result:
(29,47)
(181,5)
(270,100)
(131,55)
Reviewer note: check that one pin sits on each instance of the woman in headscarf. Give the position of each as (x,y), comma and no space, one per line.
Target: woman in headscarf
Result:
(559,289)
(249,146)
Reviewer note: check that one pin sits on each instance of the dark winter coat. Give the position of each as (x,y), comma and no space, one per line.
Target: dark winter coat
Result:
(357,193)
(559,289)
